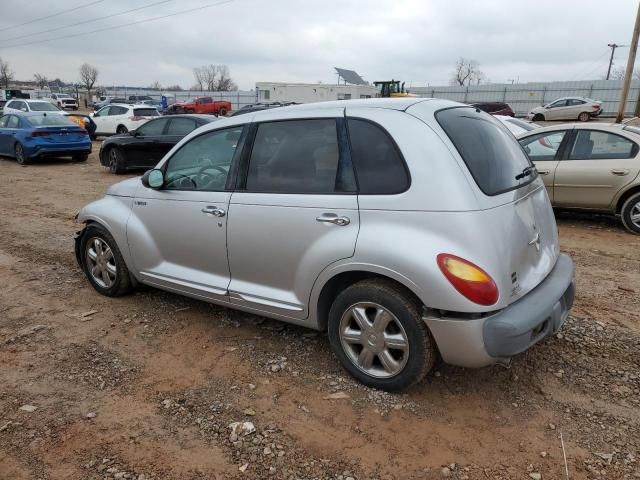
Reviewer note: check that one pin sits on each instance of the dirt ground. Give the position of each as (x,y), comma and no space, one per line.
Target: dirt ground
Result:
(147,386)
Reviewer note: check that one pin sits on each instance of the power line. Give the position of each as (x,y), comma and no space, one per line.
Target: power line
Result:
(182,12)
(51,16)
(85,21)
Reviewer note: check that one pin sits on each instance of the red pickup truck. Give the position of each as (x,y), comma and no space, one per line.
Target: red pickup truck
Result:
(203,105)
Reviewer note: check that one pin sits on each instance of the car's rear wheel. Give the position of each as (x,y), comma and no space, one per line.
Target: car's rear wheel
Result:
(80,157)
(121,130)
(538,117)
(630,213)
(584,117)
(102,262)
(116,161)
(377,333)
(21,158)
(222,112)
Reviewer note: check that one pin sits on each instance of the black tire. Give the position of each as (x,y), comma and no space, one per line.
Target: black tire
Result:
(584,117)
(222,112)
(538,117)
(116,160)
(121,130)
(422,351)
(122,282)
(83,157)
(631,207)
(19,154)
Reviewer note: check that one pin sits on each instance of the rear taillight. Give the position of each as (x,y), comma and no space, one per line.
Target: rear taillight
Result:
(136,118)
(39,134)
(468,279)
(595,107)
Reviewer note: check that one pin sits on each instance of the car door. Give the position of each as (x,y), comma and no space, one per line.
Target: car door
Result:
(117,115)
(598,165)
(575,107)
(5,135)
(144,148)
(556,110)
(294,213)
(101,119)
(178,234)
(544,151)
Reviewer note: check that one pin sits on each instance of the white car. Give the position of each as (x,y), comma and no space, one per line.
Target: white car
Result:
(119,118)
(64,101)
(567,108)
(516,125)
(30,105)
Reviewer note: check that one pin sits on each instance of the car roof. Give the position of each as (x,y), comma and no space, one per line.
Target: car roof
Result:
(132,105)
(200,116)
(30,100)
(605,127)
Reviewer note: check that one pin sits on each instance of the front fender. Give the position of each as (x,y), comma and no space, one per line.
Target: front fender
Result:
(112,212)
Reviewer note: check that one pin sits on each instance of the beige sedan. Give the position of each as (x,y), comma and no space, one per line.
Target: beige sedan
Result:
(589,167)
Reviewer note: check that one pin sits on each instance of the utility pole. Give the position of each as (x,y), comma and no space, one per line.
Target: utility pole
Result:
(613,47)
(629,72)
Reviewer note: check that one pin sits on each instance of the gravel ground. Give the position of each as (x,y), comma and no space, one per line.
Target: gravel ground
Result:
(158,386)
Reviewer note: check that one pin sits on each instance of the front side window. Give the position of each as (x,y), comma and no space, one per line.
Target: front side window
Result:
(596,145)
(103,112)
(298,156)
(203,163)
(154,127)
(181,126)
(492,154)
(378,163)
(115,110)
(543,146)
(559,103)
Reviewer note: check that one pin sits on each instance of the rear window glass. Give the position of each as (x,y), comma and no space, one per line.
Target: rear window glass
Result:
(49,120)
(378,163)
(43,107)
(145,112)
(489,150)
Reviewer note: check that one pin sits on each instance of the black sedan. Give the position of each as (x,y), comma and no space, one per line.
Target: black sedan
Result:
(145,146)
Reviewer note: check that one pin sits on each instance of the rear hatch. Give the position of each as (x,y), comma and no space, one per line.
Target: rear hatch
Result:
(68,134)
(517,212)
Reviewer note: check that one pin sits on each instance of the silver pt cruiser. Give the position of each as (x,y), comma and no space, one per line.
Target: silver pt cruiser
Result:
(407,228)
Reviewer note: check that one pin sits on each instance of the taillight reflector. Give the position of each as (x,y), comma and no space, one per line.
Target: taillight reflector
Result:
(468,279)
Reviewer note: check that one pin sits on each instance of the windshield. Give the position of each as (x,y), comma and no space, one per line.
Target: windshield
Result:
(492,154)
(49,121)
(43,107)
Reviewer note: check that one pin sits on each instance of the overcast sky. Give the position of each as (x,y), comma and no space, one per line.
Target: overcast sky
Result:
(302,40)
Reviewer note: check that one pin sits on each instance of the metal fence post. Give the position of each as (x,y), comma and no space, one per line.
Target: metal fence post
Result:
(504,95)
(590,91)
(466,94)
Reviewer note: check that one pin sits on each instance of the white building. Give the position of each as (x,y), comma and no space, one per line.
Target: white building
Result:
(311,92)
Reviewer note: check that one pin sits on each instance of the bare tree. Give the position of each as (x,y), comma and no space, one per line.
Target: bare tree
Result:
(199,74)
(175,87)
(41,80)
(156,85)
(466,71)
(6,75)
(88,77)
(224,82)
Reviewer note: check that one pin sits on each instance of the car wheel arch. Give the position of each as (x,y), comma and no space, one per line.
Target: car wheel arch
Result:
(344,279)
(625,196)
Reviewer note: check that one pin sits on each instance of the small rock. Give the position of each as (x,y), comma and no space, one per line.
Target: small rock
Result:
(244,467)
(275,368)
(91,415)
(250,412)
(304,409)
(272,470)
(266,451)
(535,476)
(446,472)
(252,386)
(544,454)
(552,426)
(28,408)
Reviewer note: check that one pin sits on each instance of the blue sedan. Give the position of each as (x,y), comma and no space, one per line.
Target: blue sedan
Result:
(33,135)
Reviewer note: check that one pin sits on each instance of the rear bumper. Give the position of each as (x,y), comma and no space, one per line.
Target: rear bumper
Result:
(63,150)
(484,341)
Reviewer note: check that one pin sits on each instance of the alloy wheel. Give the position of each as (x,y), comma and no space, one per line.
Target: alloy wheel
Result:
(101,262)
(19,154)
(635,215)
(374,340)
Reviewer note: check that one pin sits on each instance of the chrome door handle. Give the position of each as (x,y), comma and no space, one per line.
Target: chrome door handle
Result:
(543,172)
(620,172)
(333,218)
(213,210)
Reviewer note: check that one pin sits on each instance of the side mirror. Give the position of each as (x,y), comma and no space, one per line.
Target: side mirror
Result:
(153,178)
(134,133)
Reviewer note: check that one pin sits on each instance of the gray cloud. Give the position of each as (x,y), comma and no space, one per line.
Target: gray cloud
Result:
(279,40)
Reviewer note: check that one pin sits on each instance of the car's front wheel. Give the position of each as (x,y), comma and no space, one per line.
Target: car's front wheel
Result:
(121,130)
(630,213)
(116,161)
(377,333)
(584,117)
(102,262)
(538,117)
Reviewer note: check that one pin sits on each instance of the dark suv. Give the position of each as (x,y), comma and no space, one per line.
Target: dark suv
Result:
(495,108)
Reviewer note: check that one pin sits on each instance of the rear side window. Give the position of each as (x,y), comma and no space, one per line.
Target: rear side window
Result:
(379,166)
(543,146)
(145,112)
(594,145)
(298,156)
(181,126)
(490,151)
